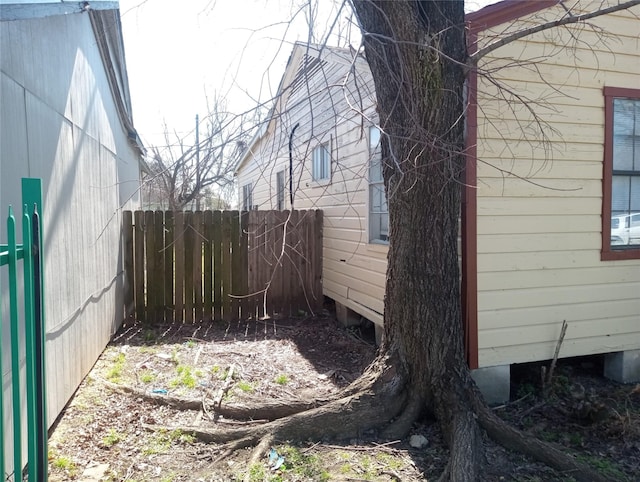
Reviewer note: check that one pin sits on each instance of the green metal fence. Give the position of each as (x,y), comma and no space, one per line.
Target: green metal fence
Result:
(27,258)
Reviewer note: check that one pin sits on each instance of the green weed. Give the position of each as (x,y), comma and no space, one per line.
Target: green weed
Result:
(112,438)
(147,376)
(246,387)
(66,464)
(281,379)
(162,440)
(185,378)
(115,372)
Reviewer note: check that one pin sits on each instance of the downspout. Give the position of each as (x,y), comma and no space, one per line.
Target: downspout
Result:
(291,163)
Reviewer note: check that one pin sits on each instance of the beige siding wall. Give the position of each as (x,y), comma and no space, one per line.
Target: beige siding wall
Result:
(59,123)
(539,202)
(354,270)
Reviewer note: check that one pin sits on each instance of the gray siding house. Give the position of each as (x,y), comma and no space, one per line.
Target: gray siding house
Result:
(65,117)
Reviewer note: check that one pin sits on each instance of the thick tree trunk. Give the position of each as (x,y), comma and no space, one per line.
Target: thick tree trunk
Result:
(416,51)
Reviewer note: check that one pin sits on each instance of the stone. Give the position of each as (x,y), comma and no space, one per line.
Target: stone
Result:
(418,441)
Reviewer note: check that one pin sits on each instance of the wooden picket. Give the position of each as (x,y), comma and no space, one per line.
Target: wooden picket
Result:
(222,265)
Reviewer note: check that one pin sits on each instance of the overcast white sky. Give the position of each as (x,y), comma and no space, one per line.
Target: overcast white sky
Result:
(178,53)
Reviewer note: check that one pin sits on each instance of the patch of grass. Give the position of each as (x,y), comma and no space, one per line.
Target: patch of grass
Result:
(186,378)
(576,439)
(388,460)
(303,465)
(174,355)
(549,436)
(147,376)
(369,472)
(190,343)
(162,440)
(256,473)
(66,464)
(214,370)
(604,466)
(246,387)
(281,379)
(112,438)
(151,350)
(115,372)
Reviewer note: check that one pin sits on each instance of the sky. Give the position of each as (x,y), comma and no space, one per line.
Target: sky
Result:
(180,55)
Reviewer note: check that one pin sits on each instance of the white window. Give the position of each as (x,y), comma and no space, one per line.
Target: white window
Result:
(247,197)
(280,190)
(321,163)
(378,209)
(621,179)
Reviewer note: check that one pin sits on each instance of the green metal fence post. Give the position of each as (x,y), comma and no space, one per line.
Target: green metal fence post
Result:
(15,345)
(3,474)
(32,197)
(30,349)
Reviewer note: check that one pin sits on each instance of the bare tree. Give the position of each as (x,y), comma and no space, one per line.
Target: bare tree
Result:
(418,56)
(186,169)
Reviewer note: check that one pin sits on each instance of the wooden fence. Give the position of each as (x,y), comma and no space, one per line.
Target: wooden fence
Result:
(222,265)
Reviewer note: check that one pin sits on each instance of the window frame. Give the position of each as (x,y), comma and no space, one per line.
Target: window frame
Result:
(247,195)
(280,189)
(375,152)
(609,253)
(324,148)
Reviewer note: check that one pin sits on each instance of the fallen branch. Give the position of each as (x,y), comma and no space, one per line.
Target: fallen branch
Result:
(546,380)
(224,389)
(270,410)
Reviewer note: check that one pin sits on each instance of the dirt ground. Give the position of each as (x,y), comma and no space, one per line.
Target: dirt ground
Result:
(110,430)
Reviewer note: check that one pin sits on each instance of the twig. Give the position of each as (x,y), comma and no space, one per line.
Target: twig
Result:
(195,360)
(546,382)
(499,407)
(225,387)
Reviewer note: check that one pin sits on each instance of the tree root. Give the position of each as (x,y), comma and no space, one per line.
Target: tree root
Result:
(377,401)
(513,439)
(271,410)
(257,454)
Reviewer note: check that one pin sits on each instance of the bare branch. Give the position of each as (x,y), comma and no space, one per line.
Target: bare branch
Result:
(570,19)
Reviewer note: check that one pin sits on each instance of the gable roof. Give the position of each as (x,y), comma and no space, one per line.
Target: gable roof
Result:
(304,61)
(505,11)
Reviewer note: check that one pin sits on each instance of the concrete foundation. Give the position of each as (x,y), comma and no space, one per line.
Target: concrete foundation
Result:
(623,366)
(347,316)
(379,332)
(494,383)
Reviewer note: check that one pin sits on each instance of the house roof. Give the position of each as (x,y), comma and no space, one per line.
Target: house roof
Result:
(108,31)
(505,11)
(26,9)
(305,60)
(296,70)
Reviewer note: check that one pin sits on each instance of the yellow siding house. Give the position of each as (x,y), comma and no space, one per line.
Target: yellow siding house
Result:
(550,226)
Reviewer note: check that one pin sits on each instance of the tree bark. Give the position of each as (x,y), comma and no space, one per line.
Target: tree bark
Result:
(416,51)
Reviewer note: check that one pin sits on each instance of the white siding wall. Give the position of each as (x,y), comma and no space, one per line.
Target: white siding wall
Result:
(354,270)
(539,238)
(59,123)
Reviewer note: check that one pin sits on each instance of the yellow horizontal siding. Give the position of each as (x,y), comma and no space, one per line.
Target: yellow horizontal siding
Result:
(571,346)
(618,272)
(597,311)
(548,224)
(539,239)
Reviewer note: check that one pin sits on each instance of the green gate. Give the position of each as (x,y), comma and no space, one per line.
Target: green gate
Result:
(27,257)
